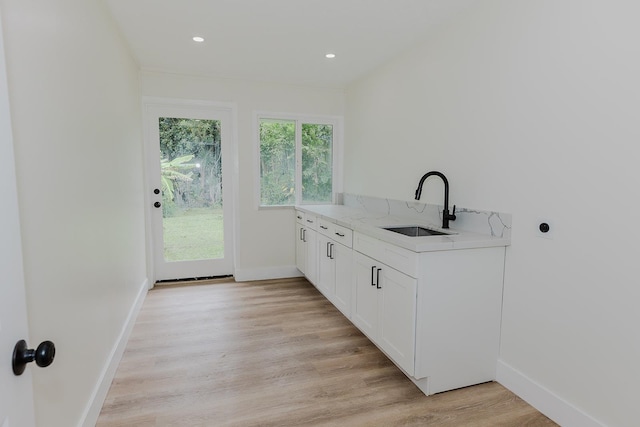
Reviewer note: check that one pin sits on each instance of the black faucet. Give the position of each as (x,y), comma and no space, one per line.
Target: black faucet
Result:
(446,216)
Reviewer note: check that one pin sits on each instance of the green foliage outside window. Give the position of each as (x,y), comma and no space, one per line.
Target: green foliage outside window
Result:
(278,162)
(191,164)
(317,162)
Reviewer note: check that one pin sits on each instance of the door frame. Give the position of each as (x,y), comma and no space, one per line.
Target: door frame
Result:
(150,106)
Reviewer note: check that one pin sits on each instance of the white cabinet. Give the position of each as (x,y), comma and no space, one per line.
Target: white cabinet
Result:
(385,309)
(326,266)
(439,322)
(343,258)
(335,265)
(435,314)
(365,304)
(301,249)
(307,246)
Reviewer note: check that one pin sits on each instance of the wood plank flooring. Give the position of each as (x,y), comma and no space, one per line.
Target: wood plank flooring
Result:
(276,353)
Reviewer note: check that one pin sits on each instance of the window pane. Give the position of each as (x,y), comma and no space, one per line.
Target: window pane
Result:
(277,162)
(317,162)
(191,175)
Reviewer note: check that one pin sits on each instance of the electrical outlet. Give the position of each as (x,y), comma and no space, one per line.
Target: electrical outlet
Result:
(545,228)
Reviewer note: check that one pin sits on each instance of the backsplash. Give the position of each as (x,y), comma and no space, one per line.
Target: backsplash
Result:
(496,224)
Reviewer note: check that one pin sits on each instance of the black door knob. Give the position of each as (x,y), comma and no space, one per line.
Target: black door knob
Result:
(157,204)
(43,355)
(156,191)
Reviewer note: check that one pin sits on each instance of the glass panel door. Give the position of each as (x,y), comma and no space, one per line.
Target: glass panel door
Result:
(191,176)
(189,191)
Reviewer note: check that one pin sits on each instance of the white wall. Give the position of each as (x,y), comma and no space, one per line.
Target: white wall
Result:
(531,108)
(265,238)
(75,107)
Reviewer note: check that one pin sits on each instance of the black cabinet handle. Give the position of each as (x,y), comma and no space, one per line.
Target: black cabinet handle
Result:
(157,204)
(323,227)
(309,221)
(378,279)
(328,253)
(301,233)
(299,217)
(339,234)
(156,191)
(373,270)
(304,235)
(43,355)
(331,251)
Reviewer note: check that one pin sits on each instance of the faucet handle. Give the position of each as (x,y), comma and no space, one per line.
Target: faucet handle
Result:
(452,217)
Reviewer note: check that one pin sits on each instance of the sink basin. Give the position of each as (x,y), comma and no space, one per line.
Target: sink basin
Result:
(415,231)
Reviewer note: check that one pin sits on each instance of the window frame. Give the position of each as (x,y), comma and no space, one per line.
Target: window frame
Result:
(300,119)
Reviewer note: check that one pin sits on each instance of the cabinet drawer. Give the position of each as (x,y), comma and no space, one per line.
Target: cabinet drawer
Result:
(399,258)
(325,227)
(335,232)
(310,221)
(342,235)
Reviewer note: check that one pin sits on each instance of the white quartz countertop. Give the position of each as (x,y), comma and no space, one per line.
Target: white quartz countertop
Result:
(371,223)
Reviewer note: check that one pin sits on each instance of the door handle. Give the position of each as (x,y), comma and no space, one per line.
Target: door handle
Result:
(378,279)
(43,355)
(157,204)
(373,269)
(156,191)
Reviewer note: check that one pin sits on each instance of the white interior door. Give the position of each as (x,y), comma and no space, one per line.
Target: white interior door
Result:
(189,174)
(16,393)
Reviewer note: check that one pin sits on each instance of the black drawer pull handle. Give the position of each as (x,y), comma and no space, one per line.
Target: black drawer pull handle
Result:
(309,221)
(324,228)
(339,234)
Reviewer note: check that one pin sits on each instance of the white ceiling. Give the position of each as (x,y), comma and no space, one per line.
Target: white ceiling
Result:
(276,40)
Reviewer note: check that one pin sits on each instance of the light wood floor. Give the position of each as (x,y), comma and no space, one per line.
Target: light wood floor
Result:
(276,353)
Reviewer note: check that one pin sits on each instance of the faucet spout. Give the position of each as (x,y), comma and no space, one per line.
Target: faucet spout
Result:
(446,216)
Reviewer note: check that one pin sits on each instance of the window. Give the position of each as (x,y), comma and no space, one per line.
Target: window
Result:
(297,160)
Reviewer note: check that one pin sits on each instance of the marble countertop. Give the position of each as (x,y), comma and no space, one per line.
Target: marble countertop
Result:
(370,223)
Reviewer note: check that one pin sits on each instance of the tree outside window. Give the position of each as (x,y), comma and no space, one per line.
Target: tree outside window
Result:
(283,145)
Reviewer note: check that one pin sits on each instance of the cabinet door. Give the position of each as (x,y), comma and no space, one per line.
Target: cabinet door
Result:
(301,252)
(343,257)
(311,263)
(365,307)
(397,332)
(326,267)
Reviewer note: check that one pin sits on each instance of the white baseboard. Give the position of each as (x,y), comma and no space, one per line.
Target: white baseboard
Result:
(281,272)
(92,411)
(543,399)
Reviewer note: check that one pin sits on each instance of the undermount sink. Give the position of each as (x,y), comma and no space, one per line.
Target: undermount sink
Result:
(415,231)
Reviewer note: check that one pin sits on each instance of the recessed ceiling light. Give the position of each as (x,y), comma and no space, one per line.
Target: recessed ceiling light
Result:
(198,39)
(330,55)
